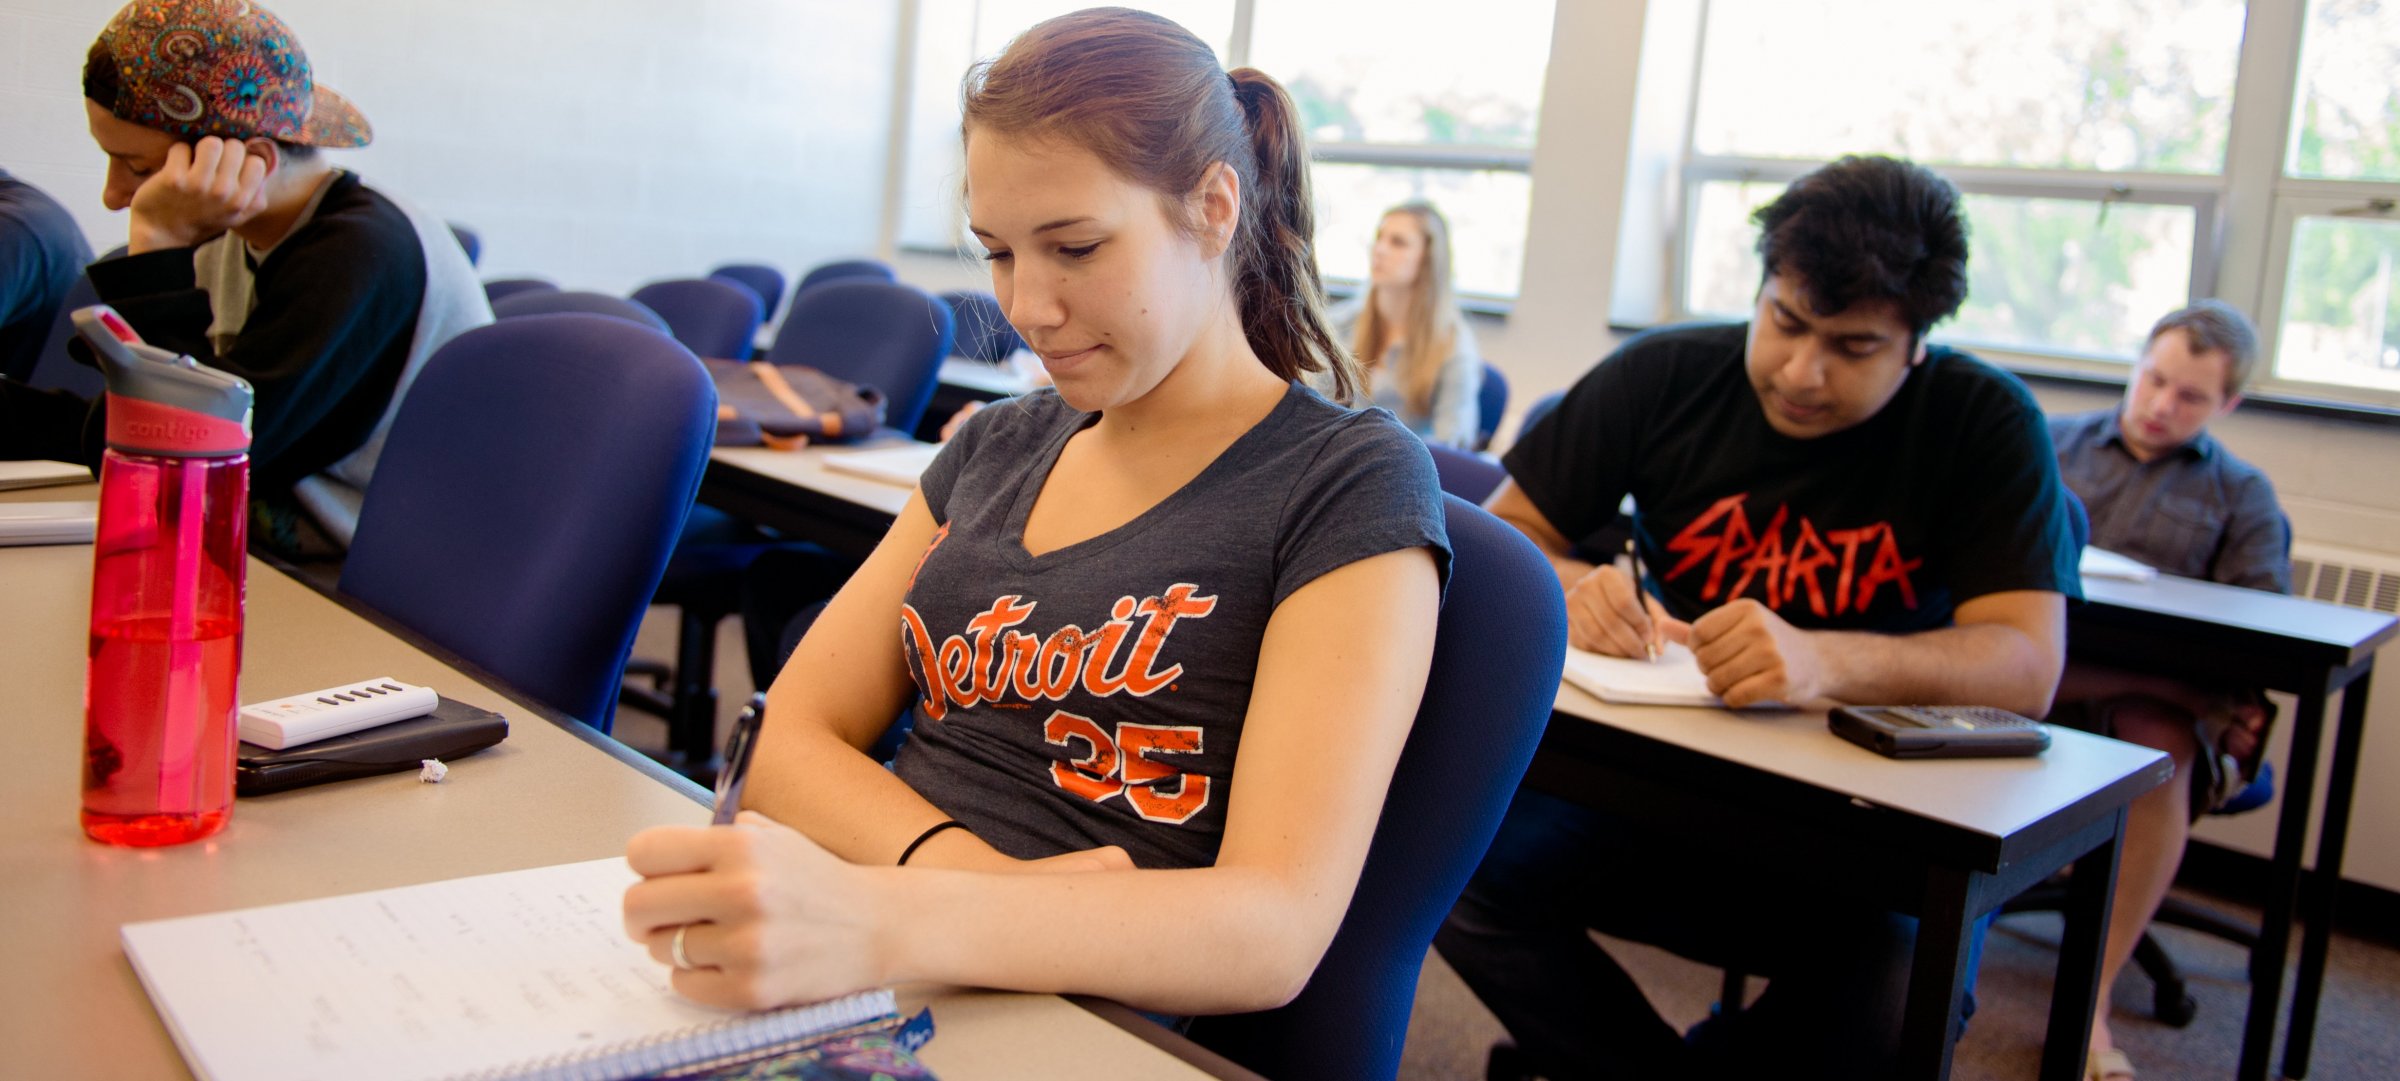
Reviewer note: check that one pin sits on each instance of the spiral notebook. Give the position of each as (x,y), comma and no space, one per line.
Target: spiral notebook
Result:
(524,974)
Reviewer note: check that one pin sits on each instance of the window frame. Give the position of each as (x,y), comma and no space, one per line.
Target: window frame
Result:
(2244,214)
(1464,158)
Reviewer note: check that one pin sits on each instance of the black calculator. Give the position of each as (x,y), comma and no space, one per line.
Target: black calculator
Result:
(1939,731)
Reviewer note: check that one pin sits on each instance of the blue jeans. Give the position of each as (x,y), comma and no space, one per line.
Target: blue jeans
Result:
(1837,971)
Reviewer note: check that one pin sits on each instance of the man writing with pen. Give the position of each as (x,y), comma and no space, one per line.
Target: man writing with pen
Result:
(1827,507)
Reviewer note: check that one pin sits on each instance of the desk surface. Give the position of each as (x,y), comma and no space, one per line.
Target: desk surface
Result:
(805,468)
(1976,805)
(990,378)
(2343,635)
(72,1006)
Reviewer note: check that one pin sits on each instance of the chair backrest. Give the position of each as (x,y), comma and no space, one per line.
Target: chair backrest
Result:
(710,317)
(1491,403)
(878,334)
(870,269)
(983,330)
(1498,648)
(499,289)
(468,242)
(1540,408)
(55,368)
(763,281)
(1471,477)
(529,496)
(560,301)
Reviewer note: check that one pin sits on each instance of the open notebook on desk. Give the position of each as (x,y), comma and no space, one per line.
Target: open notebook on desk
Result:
(900,465)
(1673,679)
(520,974)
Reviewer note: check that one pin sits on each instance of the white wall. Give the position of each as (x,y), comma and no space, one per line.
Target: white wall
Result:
(600,144)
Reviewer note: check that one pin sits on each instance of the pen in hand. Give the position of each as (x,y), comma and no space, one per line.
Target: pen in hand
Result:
(1633,561)
(738,748)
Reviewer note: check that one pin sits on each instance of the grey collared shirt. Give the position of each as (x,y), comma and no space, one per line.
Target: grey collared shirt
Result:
(2197,511)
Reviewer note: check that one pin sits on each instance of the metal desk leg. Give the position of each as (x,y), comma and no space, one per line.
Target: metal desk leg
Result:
(2317,934)
(1937,976)
(2076,992)
(2283,884)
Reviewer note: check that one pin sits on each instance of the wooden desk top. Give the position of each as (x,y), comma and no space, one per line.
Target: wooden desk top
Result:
(71,1006)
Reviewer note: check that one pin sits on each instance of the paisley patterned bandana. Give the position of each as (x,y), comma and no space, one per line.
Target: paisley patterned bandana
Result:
(223,67)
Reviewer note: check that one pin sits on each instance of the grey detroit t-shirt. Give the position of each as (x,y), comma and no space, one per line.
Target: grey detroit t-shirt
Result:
(1094,695)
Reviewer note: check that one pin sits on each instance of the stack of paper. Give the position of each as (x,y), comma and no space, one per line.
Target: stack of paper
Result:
(41,474)
(1674,679)
(48,523)
(900,465)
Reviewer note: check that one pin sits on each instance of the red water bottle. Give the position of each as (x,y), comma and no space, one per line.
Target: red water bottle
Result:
(167,579)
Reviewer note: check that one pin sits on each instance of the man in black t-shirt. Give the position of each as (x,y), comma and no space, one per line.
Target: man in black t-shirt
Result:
(1827,507)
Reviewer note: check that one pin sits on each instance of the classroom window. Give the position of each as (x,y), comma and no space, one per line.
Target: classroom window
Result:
(2347,109)
(2109,167)
(2048,84)
(1394,111)
(1404,100)
(2341,304)
(953,34)
(2069,275)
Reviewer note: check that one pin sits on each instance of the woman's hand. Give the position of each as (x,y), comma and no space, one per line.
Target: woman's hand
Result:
(768,917)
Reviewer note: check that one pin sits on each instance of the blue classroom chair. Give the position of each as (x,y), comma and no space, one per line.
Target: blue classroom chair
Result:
(764,281)
(1498,649)
(1491,403)
(468,242)
(561,301)
(873,333)
(868,269)
(529,494)
(499,289)
(983,330)
(1471,477)
(715,319)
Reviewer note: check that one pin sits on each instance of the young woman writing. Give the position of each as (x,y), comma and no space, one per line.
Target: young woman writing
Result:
(1163,627)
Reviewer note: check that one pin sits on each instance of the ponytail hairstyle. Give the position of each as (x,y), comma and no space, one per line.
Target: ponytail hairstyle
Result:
(1152,103)
(1430,328)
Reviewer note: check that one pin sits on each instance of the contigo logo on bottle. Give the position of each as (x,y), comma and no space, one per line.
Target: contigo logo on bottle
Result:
(167,431)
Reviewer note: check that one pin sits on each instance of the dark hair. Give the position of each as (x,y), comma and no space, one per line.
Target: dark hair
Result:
(100,80)
(2216,327)
(1870,228)
(102,84)
(1152,103)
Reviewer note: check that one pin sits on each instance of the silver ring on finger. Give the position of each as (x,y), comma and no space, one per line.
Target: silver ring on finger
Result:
(683,960)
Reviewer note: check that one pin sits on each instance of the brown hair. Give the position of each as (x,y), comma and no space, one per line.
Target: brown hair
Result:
(1431,329)
(1152,103)
(2215,327)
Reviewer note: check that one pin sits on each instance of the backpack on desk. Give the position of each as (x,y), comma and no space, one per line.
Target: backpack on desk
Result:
(789,405)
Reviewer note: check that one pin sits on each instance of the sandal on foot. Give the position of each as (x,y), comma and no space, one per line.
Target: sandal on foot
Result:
(2109,1065)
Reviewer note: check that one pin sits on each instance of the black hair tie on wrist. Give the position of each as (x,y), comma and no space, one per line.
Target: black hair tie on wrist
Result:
(937,827)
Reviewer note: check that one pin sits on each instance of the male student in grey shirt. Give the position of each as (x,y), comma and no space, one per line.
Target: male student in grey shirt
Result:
(2162,490)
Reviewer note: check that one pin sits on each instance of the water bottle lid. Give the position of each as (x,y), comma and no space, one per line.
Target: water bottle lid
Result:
(162,403)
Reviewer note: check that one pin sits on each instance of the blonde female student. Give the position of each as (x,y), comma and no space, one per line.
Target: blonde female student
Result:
(1406,331)
(1163,627)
